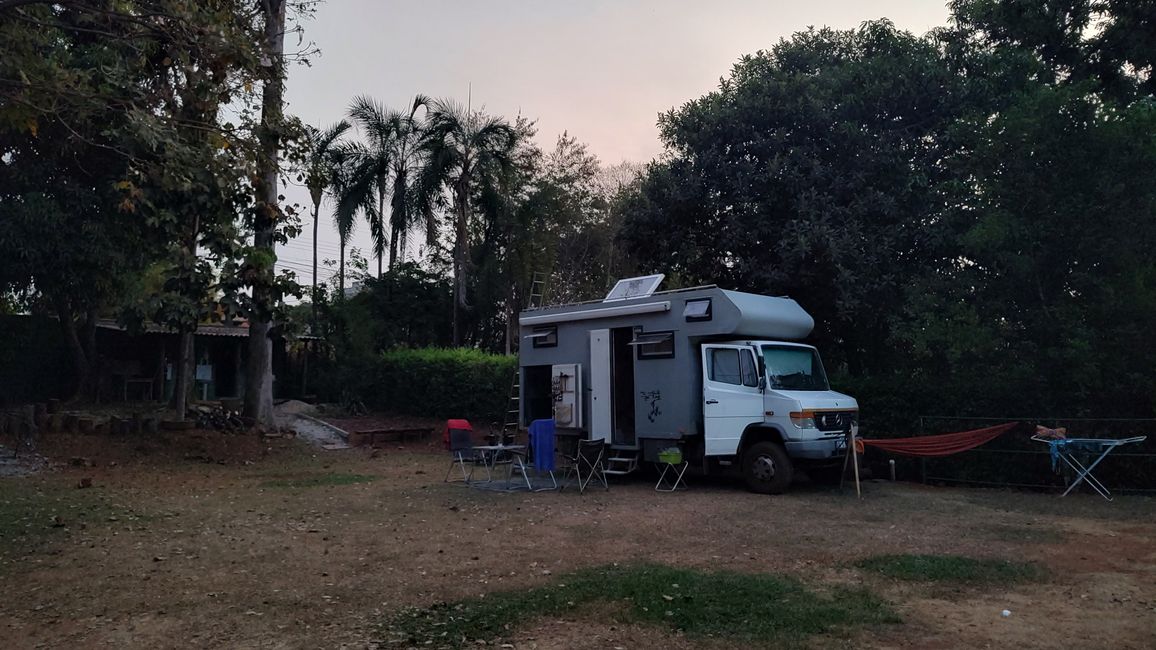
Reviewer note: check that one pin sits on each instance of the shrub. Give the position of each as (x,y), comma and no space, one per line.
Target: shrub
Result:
(434,382)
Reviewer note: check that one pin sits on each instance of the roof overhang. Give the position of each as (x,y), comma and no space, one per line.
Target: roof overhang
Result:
(591,314)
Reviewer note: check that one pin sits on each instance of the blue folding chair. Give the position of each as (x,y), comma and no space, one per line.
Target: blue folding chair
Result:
(541,456)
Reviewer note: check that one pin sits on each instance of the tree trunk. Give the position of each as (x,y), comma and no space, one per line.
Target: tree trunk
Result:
(341,273)
(384,225)
(461,255)
(259,388)
(81,362)
(457,307)
(183,385)
(313,294)
(392,247)
(399,206)
(88,342)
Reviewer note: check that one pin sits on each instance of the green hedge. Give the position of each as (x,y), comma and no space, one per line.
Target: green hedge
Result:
(434,382)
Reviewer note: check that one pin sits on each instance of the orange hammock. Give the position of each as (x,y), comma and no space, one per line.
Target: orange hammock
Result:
(941,445)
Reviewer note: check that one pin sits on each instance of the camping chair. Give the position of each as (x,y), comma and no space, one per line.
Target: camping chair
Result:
(462,448)
(586,464)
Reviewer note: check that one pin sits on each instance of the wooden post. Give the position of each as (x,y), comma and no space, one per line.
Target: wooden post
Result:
(855,463)
(846,460)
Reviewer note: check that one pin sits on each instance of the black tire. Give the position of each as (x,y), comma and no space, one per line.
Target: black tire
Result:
(767,469)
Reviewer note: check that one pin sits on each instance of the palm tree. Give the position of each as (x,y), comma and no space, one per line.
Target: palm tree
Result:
(407,155)
(320,167)
(385,170)
(350,197)
(379,126)
(462,150)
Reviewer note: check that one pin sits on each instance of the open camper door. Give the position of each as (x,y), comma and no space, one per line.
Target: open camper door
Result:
(731,396)
(566,387)
(601,418)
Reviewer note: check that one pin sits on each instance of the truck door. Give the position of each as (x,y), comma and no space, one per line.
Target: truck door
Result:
(730,394)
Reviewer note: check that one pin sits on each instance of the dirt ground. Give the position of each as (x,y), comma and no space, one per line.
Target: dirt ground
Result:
(219,541)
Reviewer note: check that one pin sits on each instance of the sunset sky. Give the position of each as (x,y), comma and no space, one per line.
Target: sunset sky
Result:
(602,70)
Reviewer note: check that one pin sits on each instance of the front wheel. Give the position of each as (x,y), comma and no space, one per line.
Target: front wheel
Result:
(767,469)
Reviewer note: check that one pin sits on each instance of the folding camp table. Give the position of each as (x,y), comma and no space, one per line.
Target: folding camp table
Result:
(1065,449)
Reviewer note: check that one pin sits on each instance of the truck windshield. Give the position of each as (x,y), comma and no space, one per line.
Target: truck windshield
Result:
(792,368)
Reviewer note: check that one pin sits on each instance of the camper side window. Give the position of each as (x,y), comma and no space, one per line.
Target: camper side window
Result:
(654,345)
(697,310)
(545,337)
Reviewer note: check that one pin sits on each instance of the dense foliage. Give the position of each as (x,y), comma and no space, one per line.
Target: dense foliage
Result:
(124,190)
(968,214)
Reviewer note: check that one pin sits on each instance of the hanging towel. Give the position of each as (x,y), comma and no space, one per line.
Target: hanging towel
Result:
(542,441)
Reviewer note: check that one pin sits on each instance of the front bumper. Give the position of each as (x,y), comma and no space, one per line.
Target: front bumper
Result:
(818,448)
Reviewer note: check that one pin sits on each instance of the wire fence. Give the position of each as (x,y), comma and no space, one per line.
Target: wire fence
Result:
(1013,460)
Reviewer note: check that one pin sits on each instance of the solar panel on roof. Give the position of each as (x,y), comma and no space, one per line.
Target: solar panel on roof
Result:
(639,287)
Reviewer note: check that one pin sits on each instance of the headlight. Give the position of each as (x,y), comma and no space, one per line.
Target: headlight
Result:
(803,419)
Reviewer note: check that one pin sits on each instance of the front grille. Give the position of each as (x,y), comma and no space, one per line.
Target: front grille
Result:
(834,420)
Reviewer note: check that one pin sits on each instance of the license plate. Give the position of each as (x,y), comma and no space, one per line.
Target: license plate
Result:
(840,444)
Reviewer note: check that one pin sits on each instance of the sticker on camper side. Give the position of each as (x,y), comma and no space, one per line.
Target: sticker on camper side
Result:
(652,397)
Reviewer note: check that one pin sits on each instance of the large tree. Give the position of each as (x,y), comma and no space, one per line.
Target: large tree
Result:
(259,375)
(1046,281)
(132,161)
(814,170)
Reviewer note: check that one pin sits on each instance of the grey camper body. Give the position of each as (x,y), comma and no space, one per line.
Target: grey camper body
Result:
(651,372)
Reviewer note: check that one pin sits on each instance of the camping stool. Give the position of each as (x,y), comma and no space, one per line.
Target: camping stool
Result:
(673,466)
(1065,449)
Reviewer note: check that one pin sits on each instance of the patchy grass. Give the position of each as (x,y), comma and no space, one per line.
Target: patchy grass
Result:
(760,610)
(1024,534)
(952,569)
(32,518)
(319,480)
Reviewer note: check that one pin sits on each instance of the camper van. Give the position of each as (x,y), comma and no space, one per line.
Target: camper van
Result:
(721,375)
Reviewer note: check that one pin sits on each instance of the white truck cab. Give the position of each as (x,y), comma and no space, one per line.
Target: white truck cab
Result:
(768,405)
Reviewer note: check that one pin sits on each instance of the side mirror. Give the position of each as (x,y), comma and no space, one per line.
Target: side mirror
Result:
(762,383)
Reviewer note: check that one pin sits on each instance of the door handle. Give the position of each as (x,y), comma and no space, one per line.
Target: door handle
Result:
(712,401)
